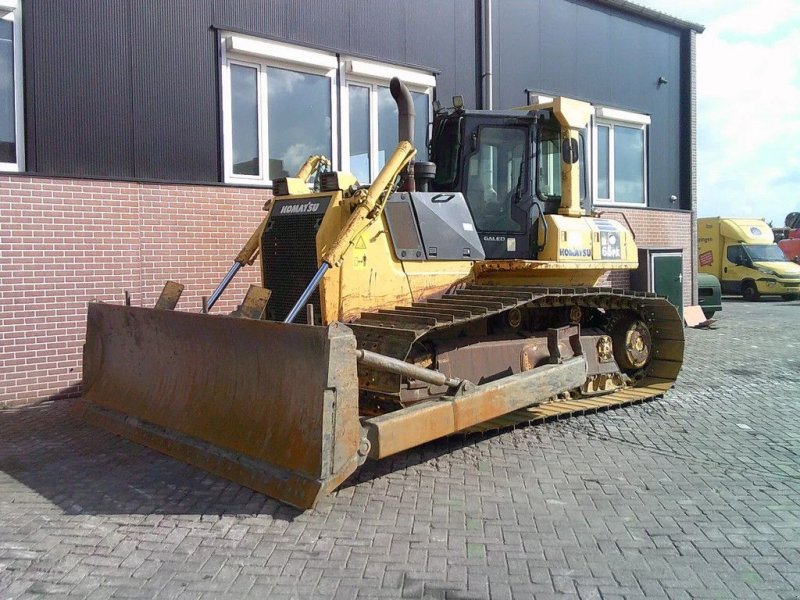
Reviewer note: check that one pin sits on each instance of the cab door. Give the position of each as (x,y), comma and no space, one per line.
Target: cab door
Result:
(496,185)
(734,269)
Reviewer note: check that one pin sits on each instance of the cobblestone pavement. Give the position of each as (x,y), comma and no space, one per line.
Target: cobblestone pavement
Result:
(693,496)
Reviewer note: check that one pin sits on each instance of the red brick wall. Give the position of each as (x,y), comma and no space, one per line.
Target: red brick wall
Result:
(64,242)
(656,230)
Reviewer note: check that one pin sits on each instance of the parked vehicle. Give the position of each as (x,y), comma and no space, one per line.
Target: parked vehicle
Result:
(790,242)
(741,253)
(709,294)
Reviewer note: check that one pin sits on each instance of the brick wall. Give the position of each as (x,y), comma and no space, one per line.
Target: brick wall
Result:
(657,230)
(64,242)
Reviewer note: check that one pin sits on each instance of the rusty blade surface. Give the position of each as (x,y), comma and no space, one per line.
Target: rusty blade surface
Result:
(271,406)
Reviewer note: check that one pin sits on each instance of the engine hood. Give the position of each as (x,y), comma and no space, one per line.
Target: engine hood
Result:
(780,267)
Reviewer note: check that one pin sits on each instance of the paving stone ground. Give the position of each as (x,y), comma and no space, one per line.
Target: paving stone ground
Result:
(693,496)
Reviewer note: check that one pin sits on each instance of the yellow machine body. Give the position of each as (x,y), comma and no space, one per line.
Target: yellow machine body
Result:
(579,252)
(370,276)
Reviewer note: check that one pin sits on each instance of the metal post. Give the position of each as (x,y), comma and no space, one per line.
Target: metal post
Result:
(309,314)
(486,55)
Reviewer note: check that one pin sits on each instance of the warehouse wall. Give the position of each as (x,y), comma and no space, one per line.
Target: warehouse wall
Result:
(129,88)
(582,50)
(137,96)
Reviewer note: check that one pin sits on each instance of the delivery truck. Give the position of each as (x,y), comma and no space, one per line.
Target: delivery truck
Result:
(742,254)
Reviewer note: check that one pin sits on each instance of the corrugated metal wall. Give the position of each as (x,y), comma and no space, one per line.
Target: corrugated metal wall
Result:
(79,90)
(129,88)
(576,48)
(174,88)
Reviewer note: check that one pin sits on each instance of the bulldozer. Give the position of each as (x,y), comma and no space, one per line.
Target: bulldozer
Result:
(452,295)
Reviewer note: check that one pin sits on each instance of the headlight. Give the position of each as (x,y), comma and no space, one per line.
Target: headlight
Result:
(766,271)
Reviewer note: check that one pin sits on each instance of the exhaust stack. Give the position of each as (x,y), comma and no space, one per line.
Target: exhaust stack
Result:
(405,124)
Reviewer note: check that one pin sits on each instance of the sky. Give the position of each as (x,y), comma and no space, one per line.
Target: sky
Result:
(748,105)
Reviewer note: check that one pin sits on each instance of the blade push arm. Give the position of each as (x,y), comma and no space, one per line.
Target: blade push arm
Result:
(371,203)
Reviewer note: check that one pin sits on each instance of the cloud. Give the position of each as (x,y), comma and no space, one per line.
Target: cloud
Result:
(756,19)
(748,87)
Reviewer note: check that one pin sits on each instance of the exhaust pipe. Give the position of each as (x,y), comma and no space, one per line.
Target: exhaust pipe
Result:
(405,124)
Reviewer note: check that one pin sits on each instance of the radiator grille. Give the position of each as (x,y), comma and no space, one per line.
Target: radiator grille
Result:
(289,262)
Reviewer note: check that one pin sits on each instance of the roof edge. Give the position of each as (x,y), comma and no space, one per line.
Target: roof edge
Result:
(651,14)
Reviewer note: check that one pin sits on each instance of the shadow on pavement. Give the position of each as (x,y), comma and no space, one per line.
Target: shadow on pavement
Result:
(86,470)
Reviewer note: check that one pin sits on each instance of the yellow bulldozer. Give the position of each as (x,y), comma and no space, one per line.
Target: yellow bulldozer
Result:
(449,295)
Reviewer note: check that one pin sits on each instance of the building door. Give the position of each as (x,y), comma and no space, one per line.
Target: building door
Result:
(667,272)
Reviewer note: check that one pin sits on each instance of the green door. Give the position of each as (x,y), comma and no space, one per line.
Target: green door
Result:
(668,278)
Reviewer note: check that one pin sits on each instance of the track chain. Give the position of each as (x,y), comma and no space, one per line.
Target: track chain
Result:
(393,332)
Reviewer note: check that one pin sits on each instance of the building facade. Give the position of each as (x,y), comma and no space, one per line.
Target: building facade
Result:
(139,138)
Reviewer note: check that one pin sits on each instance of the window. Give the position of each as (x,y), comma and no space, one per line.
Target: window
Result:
(370,135)
(279,107)
(620,157)
(11,118)
(280,104)
(494,174)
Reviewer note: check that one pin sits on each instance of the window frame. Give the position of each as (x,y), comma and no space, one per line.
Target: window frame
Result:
(11,10)
(263,54)
(372,75)
(612,118)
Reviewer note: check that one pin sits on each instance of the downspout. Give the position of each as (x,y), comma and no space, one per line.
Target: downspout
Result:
(487,101)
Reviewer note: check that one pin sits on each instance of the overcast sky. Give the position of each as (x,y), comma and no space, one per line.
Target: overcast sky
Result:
(748,119)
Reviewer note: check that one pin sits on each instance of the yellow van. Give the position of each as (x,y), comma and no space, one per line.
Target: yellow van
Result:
(741,253)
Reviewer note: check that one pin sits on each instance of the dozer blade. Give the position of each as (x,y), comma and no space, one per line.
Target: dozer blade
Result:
(271,406)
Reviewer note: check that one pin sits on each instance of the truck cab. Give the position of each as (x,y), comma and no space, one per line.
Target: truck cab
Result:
(741,253)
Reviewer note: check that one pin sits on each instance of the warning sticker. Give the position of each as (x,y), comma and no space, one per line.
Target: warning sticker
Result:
(706,258)
(360,253)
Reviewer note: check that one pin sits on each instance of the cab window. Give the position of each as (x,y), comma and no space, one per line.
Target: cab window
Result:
(548,180)
(736,255)
(494,177)
(764,252)
(445,149)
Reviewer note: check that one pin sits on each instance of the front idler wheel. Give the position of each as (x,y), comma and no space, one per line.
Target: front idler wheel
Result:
(632,343)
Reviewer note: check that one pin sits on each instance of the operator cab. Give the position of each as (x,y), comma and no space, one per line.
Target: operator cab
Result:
(491,157)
